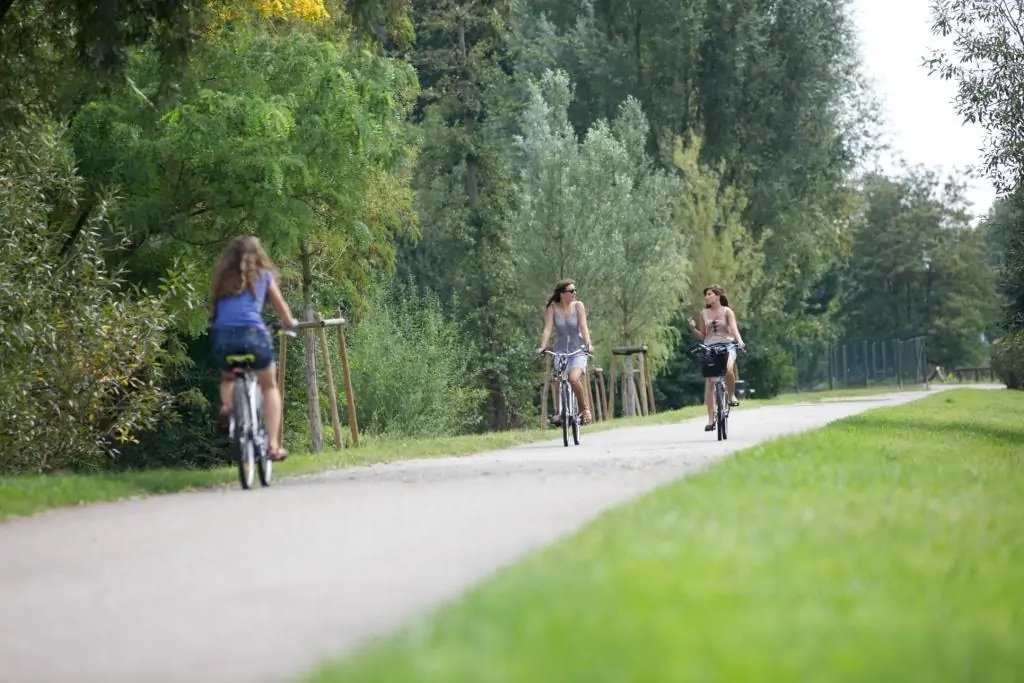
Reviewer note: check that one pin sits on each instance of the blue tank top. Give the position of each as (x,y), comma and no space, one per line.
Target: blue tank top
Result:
(244,310)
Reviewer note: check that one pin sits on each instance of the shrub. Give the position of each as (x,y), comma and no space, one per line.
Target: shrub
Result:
(411,368)
(80,354)
(766,369)
(1008,359)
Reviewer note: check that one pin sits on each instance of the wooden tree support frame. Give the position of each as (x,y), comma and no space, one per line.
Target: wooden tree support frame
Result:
(636,382)
(321,325)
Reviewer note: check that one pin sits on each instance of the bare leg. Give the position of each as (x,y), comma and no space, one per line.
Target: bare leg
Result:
(577,388)
(709,399)
(226,384)
(730,378)
(226,404)
(271,406)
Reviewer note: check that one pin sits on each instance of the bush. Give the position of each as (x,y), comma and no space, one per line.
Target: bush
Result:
(80,356)
(766,369)
(411,368)
(1008,359)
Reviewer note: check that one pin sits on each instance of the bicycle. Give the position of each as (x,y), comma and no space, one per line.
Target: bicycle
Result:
(249,436)
(570,412)
(714,357)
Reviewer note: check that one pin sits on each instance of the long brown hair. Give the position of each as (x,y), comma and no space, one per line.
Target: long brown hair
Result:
(559,288)
(238,269)
(717,289)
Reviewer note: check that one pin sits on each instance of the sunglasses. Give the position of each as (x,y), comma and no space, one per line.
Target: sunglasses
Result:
(569,291)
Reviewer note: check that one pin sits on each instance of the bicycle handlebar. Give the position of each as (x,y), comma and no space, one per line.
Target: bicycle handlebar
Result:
(290,331)
(574,353)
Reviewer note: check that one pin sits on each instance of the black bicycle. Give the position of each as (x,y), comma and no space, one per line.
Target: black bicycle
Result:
(246,427)
(714,359)
(570,410)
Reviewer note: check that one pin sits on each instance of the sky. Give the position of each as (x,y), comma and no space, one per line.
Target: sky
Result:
(920,120)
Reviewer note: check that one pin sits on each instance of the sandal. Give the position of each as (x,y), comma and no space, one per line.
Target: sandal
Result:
(555,420)
(734,402)
(709,427)
(278,455)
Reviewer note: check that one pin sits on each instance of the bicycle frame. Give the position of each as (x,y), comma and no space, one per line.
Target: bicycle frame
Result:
(562,371)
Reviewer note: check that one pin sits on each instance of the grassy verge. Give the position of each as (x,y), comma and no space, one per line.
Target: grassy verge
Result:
(884,548)
(25,495)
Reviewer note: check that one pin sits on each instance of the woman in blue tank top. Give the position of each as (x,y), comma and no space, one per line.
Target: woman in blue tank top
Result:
(244,279)
(564,312)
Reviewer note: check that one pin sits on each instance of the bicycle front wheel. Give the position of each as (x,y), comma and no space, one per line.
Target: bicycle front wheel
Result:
(722,414)
(565,413)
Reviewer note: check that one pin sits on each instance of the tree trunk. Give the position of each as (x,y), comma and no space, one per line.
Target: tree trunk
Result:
(316,427)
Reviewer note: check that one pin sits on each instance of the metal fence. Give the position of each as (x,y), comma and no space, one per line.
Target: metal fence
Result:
(858,363)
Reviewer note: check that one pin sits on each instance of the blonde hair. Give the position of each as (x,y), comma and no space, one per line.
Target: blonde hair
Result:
(238,269)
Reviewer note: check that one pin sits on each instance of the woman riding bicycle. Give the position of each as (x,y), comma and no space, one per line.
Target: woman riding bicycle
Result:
(243,280)
(718,326)
(569,316)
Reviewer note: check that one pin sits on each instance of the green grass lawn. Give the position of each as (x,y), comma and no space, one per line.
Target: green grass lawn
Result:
(25,495)
(888,547)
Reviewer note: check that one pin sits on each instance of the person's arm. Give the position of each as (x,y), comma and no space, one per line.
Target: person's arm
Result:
(549,320)
(698,329)
(279,304)
(584,330)
(734,328)
(695,329)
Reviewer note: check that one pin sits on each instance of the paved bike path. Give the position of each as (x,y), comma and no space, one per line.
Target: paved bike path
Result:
(229,586)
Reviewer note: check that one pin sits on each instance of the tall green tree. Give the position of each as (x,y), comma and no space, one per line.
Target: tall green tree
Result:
(469,108)
(986,61)
(919,268)
(599,211)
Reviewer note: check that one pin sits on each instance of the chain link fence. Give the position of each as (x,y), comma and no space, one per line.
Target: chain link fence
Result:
(858,363)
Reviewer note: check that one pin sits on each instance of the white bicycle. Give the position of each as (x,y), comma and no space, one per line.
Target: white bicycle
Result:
(570,410)
(246,427)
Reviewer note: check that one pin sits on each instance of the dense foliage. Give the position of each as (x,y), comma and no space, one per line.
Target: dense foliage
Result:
(429,169)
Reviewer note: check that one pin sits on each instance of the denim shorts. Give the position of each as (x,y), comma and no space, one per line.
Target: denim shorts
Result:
(227,341)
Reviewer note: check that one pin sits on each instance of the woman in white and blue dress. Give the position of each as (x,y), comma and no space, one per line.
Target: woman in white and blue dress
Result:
(568,315)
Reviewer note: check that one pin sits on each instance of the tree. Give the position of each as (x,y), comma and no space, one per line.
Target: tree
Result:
(721,250)
(469,108)
(986,60)
(564,193)
(918,268)
(82,362)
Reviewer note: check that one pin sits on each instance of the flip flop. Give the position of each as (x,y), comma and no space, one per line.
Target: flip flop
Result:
(279,455)
(710,427)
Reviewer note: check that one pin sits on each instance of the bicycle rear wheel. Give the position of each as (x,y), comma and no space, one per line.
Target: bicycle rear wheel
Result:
(266,465)
(243,433)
